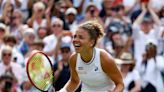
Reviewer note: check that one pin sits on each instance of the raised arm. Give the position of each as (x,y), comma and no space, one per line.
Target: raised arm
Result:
(141,16)
(31,20)
(74,80)
(154,16)
(79,9)
(110,68)
(57,48)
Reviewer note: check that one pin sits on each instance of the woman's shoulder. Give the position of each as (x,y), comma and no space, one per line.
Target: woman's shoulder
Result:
(104,53)
(105,57)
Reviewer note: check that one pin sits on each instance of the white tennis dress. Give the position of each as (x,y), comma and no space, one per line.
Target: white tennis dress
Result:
(92,76)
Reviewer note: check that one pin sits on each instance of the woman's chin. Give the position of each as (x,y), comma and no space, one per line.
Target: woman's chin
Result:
(77,50)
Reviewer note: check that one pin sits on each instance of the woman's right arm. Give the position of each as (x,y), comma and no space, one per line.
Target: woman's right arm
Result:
(74,80)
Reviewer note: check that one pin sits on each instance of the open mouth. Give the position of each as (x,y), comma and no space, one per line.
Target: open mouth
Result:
(77,45)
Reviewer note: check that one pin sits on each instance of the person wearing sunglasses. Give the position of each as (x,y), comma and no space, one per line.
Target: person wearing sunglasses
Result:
(9,67)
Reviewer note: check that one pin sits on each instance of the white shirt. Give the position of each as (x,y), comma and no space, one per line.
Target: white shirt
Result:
(141,39)
(92,76)
(42,24)
(50,43)
(16,69)
(152,73)
(131,76)
(18,56)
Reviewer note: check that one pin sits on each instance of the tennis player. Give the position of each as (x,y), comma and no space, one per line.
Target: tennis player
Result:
(92,66)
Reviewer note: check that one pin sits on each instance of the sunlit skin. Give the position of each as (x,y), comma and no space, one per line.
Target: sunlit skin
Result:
(82,38)
(66,54)
(2,32)
(56,28)
(6,58)
(84,41)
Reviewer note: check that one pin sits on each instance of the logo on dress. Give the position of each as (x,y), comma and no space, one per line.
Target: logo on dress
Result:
(96,68)
(80,68)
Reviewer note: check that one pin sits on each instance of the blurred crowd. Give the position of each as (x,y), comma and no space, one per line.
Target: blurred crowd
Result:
(134,35)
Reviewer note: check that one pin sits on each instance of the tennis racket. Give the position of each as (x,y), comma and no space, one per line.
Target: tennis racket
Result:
(40,72)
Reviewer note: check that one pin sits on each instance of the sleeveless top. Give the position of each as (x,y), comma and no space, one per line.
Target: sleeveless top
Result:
(92,76)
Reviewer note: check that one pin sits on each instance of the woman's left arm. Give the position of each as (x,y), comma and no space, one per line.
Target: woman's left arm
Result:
(112,71)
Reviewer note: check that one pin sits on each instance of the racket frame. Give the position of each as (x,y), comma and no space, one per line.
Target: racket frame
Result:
(28,74)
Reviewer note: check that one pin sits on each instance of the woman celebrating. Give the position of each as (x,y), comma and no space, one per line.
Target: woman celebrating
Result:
(91,66)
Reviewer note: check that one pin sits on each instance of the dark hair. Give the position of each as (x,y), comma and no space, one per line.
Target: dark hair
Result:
(9,38)
(132,66)
(151,46)
(94,29)
(160,13)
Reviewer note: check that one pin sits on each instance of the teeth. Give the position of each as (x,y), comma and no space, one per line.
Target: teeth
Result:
(77,45)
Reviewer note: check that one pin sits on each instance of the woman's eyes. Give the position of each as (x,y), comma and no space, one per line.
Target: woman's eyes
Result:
(79,36)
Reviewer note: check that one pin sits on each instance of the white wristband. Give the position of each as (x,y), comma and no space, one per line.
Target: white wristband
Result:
(62,90)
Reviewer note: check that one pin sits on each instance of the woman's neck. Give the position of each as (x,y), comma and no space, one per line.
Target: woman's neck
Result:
(87,55)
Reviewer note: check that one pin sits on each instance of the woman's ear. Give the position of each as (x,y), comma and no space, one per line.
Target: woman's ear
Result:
(92,43)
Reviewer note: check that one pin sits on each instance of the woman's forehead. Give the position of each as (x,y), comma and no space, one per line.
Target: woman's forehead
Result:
(80,31)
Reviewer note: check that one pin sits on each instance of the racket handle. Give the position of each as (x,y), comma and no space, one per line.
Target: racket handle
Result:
(62,90)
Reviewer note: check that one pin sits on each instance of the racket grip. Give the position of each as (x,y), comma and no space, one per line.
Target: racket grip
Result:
(62,90)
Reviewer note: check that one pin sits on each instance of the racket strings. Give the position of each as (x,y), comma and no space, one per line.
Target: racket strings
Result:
(43,74)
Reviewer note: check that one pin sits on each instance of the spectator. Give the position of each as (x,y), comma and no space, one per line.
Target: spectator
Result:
(120,20)
(2,32)
(161,14)
(28,87)
(37,44)
(28,37)
(82,5)
(71,19)
(11,41)
(7,83)
(150,70)
(25,10)
(62,72)
(37,20)
(59,9)
(51,40)
(42,32)
(7,13)
(15,4)
(130,5)
(8,66)
(130,75)
(106,9)
(92,13)
(145,27)
(16,26)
